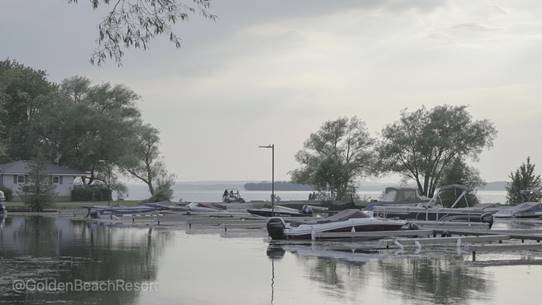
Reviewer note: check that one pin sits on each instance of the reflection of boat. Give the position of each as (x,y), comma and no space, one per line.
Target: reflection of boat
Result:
(277,211)
(345,221)
(524,210)
(327,252)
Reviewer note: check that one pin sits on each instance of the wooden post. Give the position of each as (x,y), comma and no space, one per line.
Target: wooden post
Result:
(473,256)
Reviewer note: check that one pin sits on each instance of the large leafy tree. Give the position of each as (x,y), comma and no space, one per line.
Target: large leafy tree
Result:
(334,156)
(146,164)
(135,23)
(525,185)
(89,127)
(22,96)
(94,128)
(425,142)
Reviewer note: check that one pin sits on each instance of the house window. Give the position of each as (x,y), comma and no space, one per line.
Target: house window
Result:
(21,179)
(56,179)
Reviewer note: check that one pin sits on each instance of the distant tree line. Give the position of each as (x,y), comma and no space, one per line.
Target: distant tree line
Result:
(96,128)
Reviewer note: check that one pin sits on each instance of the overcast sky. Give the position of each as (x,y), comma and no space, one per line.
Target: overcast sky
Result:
(272,71)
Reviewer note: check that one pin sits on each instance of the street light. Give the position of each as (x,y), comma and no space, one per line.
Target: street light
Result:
(272,147)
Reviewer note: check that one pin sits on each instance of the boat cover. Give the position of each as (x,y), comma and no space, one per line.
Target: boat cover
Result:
(344,215)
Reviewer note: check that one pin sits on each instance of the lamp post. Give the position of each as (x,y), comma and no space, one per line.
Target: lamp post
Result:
(272,147)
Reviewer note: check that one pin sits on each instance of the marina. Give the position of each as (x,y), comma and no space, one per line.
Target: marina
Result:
(207,152)
(158,247)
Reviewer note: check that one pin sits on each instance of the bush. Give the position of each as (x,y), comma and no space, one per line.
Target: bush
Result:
(163,192)
(91,193)
(8,193)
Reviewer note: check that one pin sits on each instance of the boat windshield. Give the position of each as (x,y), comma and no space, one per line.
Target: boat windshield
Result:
(389,196)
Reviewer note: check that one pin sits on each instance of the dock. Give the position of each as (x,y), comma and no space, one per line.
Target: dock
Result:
(457,238)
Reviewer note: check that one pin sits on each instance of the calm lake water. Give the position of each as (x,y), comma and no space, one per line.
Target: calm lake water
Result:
(213,193)
(206,269)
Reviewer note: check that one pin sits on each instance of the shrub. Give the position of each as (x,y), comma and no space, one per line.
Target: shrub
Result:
(163,192)
(96,192)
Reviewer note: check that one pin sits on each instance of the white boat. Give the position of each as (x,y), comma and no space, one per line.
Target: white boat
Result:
(345,221)
(524,210)
(205,207)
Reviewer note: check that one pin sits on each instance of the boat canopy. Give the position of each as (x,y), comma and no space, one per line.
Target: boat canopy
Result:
(345,215)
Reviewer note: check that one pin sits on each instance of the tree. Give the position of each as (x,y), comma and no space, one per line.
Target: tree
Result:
(423,143)
(38,191)
(134,23)
(334,156)
(459,172)
(525,185)
(85,125)
(146,165)
(21,98)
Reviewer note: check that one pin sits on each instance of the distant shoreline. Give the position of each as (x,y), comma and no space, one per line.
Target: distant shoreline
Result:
(279,186)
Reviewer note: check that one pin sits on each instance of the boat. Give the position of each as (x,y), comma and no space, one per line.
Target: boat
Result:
(101,211)
(278,211)
(433,210)
(166,206)
(344,221)
(232,196)
(399,196)
(2,204)
(205,207)
(524,210)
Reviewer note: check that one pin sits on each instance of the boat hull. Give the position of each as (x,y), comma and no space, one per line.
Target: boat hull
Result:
(434,214)
(278,229)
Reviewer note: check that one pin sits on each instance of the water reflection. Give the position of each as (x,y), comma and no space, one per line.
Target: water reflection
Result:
(344,273)
(55,249)
(209,269)
(438,281)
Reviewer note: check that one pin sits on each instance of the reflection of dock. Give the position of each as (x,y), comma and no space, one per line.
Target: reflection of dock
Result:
(431,237)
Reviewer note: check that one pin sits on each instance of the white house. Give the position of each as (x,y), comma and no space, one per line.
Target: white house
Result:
(14,174)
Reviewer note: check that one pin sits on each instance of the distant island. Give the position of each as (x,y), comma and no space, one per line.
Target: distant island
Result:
(279,186)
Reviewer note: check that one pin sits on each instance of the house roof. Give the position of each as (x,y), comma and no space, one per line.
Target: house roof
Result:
(23,167)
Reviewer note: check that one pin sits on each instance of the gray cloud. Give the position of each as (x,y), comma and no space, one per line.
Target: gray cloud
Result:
(273,71)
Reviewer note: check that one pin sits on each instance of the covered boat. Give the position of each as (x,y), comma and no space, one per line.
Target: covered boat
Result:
(433,209)
(101,211)
(277,211)
(524,210)
(399,196)
(345,221)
